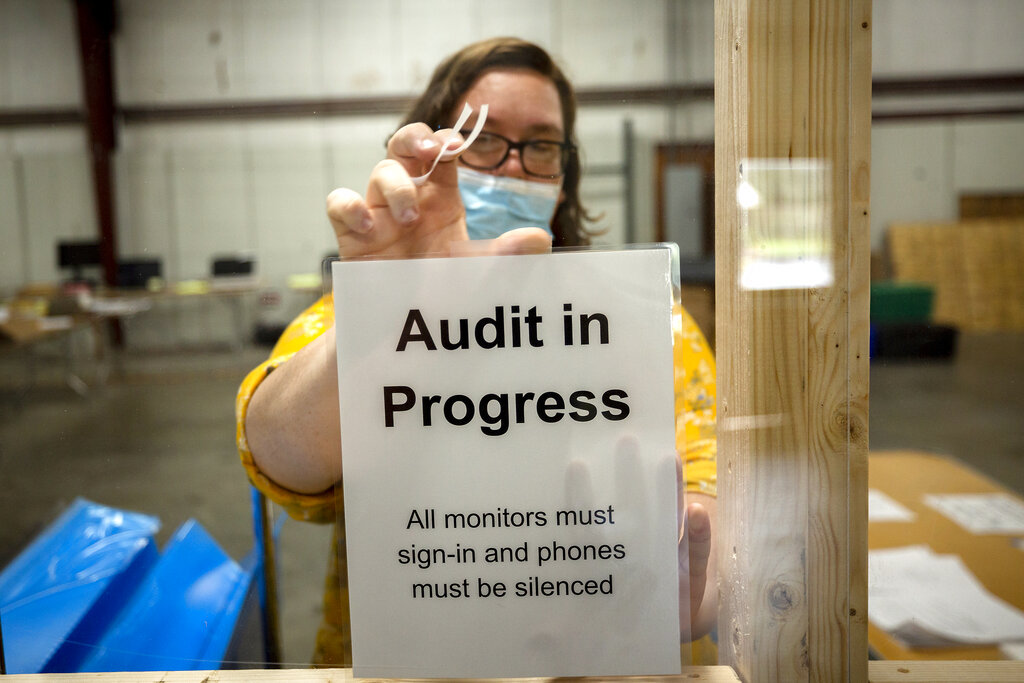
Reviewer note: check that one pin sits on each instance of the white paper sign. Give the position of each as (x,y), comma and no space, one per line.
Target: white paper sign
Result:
(508,440)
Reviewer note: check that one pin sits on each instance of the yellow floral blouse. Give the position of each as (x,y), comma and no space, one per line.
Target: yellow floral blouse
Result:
(695,440)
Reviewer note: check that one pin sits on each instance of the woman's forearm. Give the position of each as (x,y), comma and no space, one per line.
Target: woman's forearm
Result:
(292,425)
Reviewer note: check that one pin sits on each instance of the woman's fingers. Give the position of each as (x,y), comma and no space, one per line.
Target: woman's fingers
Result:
(514,242)
(523,241)
(698,534)
(417,145)
(694,561)
(396,216)
(391,187)
(348,212)
(426,153)
(413,142)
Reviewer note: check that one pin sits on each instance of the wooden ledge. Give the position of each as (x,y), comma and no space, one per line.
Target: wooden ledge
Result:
(878,672)
(975,671)
(709,674)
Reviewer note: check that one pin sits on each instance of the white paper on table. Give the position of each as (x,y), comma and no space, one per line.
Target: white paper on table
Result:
(1013,650)
(981,513)
(882,508)
(56,323)
(925,599)
(121,306)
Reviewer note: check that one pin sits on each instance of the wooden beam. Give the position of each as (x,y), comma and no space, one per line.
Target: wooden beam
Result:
(668,95)
(947,85)
(25,118)
(793,93)
(949,113)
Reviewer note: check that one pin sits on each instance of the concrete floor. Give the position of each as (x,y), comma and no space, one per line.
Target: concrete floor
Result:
(971,408)
(159,438)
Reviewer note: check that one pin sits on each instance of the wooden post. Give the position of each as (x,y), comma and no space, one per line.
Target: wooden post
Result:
(793,82)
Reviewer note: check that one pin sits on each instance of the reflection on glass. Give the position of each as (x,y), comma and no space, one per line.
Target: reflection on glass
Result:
(785,228)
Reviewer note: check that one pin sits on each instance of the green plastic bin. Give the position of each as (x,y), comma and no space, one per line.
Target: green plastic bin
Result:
(903,302)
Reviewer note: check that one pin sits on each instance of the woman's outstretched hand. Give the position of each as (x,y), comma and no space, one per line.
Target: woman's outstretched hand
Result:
(398,218)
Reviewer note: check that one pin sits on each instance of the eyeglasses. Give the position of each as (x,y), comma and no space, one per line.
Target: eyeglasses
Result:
(542,158)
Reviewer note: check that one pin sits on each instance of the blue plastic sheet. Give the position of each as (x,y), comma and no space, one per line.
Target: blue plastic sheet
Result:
(183,614)
(67,586)
(92,593)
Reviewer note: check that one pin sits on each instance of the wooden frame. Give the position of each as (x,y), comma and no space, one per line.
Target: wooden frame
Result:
(698,154)
(793,81)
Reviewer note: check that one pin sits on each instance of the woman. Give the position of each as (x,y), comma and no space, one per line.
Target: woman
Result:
(522,172)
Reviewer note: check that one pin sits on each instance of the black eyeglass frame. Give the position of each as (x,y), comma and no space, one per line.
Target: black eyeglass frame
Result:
(567,148)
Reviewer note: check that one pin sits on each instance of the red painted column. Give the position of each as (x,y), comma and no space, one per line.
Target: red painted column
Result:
(96,19)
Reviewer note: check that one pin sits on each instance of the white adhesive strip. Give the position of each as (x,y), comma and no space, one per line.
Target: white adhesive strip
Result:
(466,112)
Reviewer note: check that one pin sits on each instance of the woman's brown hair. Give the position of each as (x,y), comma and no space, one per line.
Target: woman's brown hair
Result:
(457,74)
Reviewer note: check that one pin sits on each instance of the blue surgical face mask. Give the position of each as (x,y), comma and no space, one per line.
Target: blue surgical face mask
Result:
(496,204)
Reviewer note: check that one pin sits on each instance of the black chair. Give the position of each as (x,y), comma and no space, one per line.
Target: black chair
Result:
(232,265)
(136,273)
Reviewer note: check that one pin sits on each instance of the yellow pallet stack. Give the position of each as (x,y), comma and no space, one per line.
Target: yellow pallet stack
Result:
(975,266)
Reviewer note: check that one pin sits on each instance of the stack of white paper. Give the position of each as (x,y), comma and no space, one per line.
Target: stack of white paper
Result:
(929,600)
(882,508)
(981,513)
(119,307)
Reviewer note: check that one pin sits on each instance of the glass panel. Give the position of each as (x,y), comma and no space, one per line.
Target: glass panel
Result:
(121,369)
(946,375)
(131,536)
